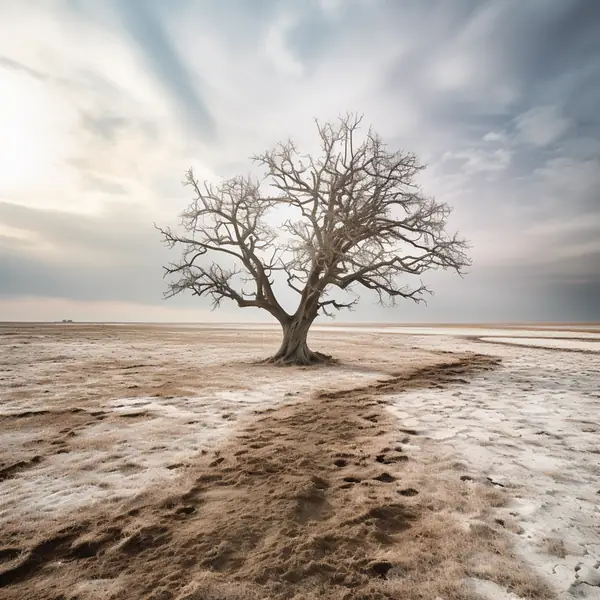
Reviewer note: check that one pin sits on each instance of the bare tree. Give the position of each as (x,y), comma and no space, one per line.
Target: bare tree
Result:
(355,218)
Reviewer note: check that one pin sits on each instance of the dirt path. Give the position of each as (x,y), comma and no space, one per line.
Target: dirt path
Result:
(314,500)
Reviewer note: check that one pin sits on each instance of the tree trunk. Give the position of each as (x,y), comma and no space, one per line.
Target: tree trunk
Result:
(294,348)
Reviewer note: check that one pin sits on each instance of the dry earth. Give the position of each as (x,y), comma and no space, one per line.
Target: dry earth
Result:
(161,462)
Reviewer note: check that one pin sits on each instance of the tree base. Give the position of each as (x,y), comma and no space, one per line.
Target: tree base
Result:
(304,359)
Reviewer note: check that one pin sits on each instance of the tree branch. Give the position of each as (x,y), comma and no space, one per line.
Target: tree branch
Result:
(354,216)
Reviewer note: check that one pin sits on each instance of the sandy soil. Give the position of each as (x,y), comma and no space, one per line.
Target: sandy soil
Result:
(161,462)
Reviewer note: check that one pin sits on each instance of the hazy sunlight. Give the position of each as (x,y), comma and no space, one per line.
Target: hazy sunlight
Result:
(33,136)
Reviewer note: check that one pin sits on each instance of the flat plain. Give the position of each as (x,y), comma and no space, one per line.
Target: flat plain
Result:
(167,462)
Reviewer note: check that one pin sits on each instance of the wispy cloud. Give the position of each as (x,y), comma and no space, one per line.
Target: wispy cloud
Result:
(162,58)
(541,126)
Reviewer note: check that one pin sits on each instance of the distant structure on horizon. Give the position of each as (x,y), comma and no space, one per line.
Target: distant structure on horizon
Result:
(67,320)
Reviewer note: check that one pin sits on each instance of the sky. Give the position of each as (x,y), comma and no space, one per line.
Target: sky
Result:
(104,105)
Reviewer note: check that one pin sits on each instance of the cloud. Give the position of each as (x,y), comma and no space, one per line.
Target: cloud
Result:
(277,50)
(164,61)
(106,105)
(479,161)
(540,126)
(15,65)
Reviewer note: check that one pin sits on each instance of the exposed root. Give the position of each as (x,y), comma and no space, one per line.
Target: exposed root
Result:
(301,360)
